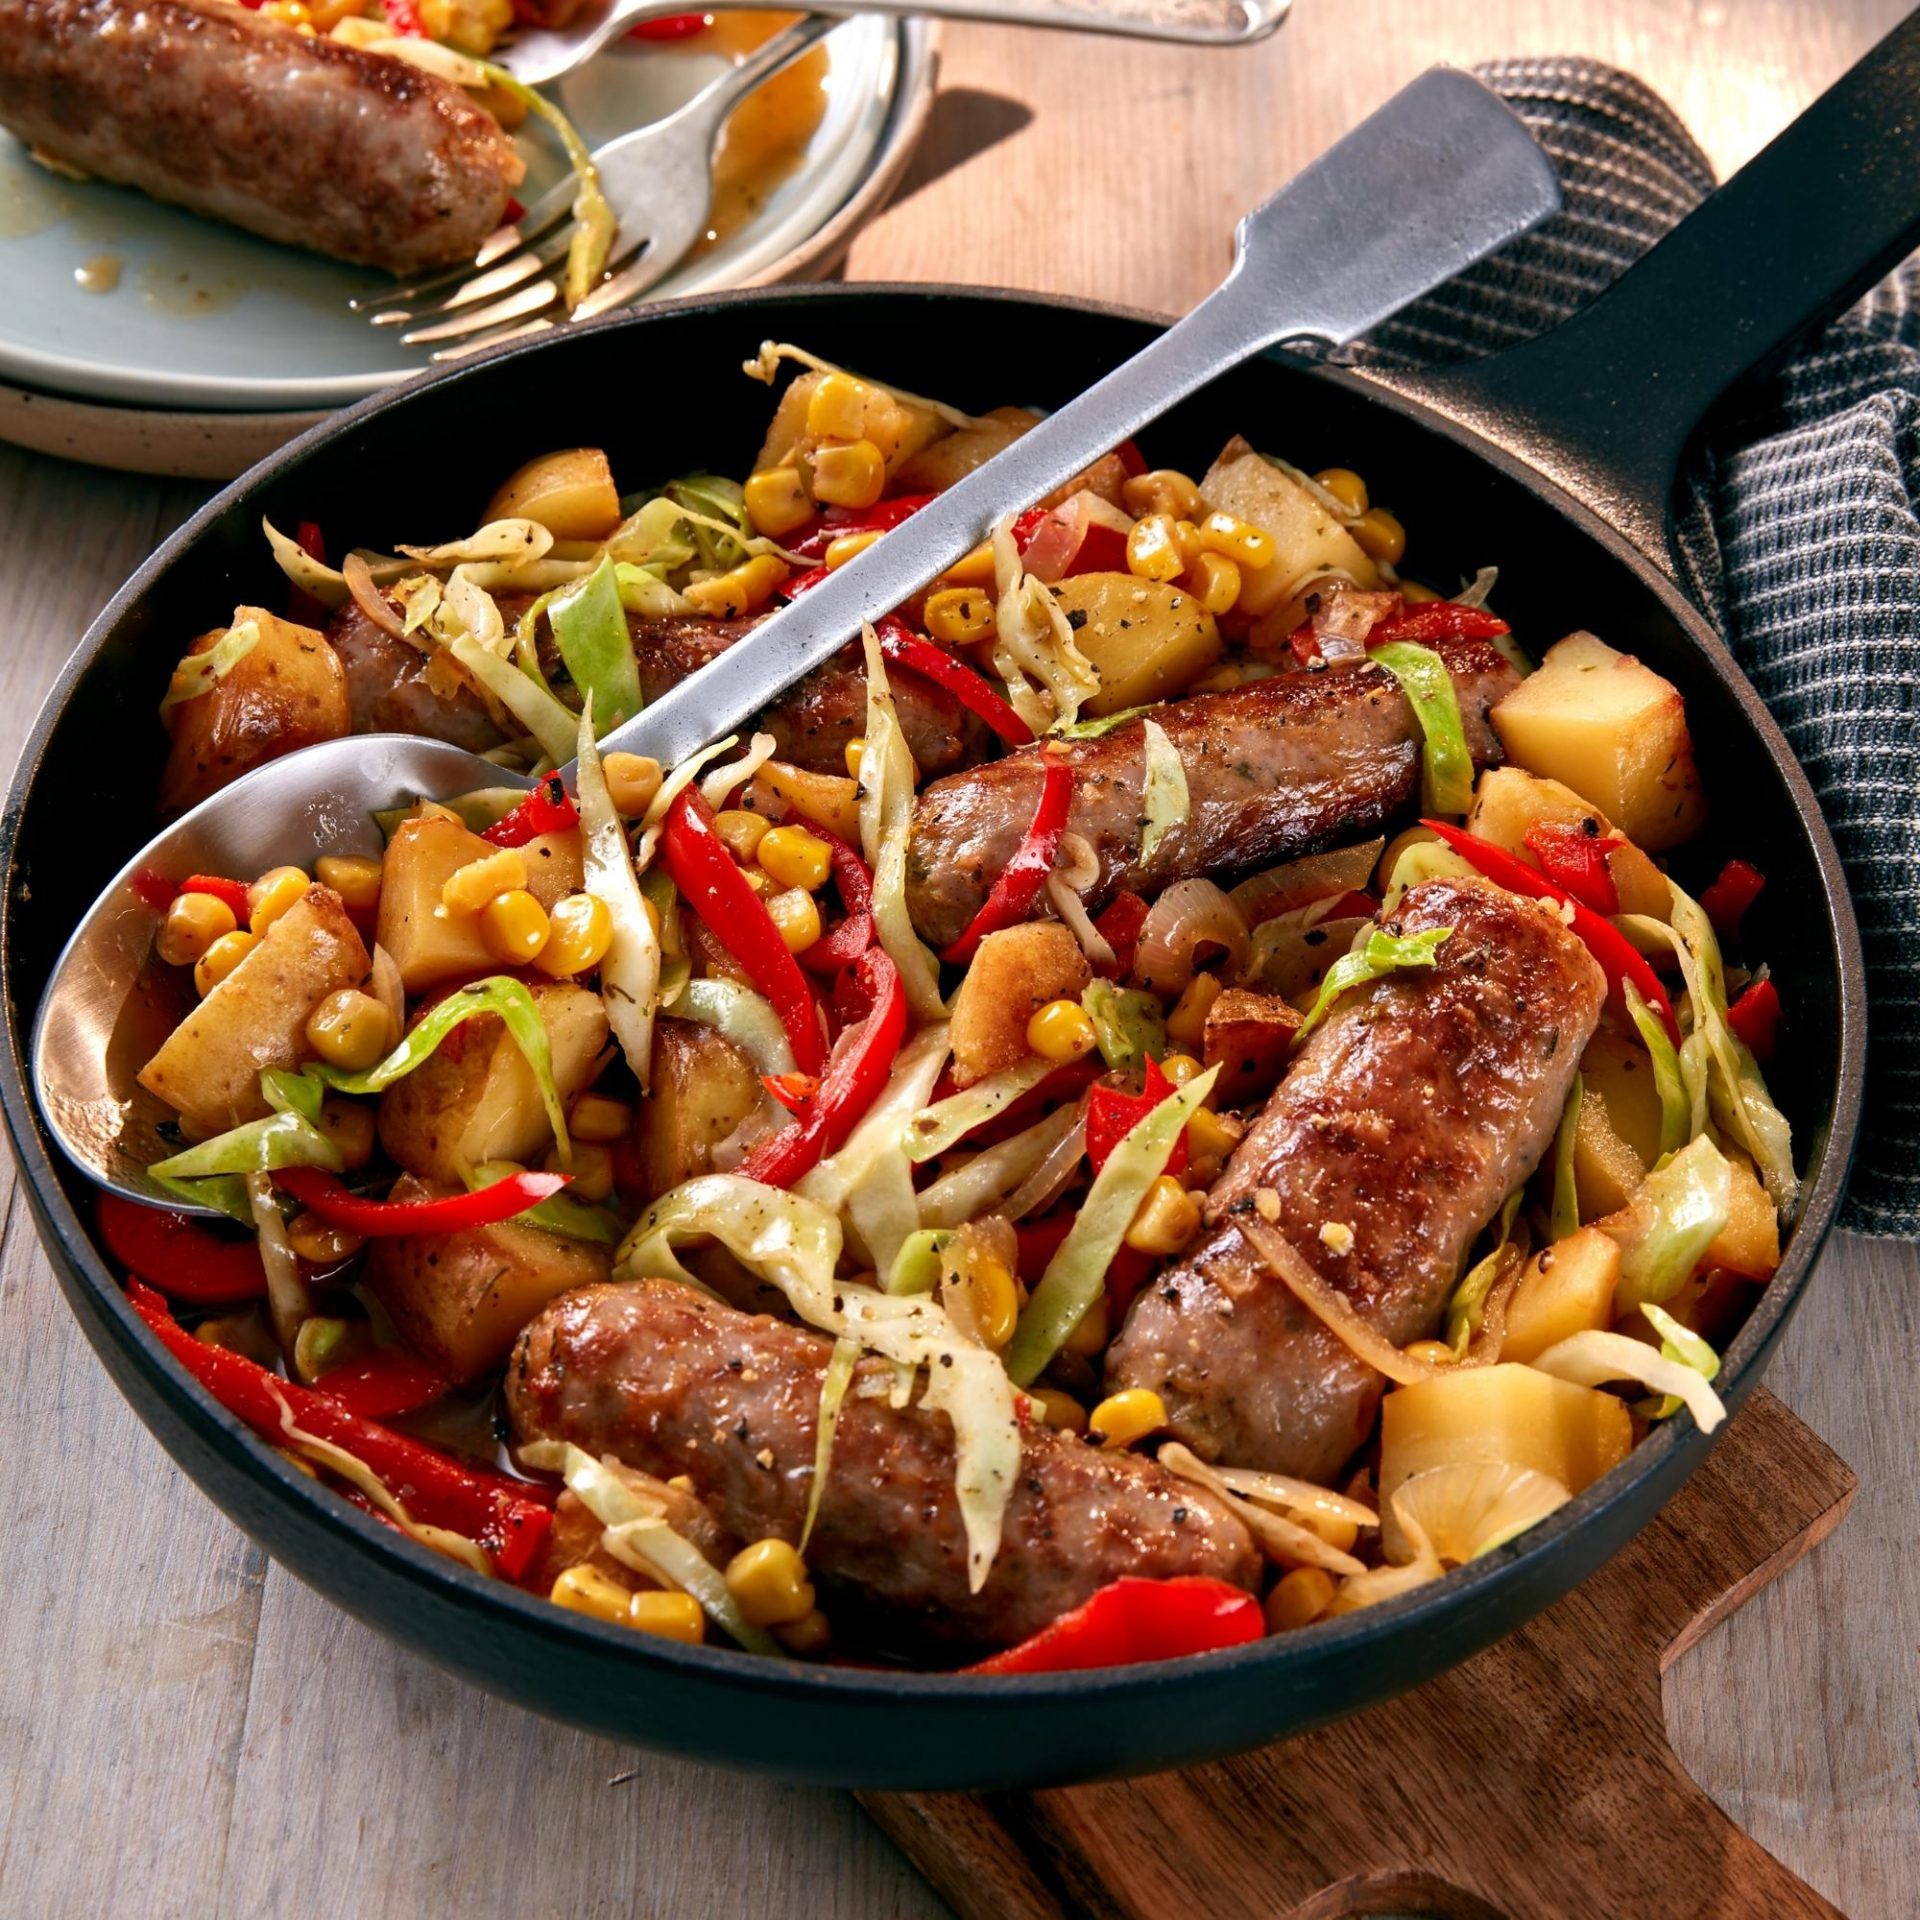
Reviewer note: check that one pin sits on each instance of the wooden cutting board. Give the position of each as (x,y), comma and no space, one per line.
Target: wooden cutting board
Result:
(1533,1783)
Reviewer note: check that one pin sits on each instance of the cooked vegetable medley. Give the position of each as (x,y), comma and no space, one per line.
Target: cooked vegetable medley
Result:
(1164,1095)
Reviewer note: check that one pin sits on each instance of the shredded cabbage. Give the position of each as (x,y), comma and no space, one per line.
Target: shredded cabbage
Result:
(719,785)
(1467,1309)
(642,592)
(1681,1344)
(1163,799)
(1033,638)
(289,1298)
(590,628)
(1470,1507)
(1279,1538)
(326,584)
(594,220)
(990,1180)
(630,968)
(1096,729)
(1446,767)
(289,1136)
(1670,1222)
(1379,954)
(1676,1107)
(200,673)
(552,726)
(916,1267)
(1419,862)
(1076,1276)
(1595,1359)
(1129,1024)
(1564,1216)
(833,1390)
(739,1014)
(514,543)
(559,1213)
(934,1129)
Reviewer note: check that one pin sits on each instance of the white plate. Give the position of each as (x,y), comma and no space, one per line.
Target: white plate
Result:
(207,317)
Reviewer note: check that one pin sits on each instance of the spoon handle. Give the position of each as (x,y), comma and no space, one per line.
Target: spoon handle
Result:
(1455,174)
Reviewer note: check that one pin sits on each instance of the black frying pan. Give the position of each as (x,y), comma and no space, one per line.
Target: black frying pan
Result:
(1605,405)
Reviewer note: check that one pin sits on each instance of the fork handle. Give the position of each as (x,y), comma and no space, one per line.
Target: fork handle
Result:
(1215,23)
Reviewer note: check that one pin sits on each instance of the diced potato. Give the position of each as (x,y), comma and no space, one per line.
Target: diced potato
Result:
(1309,539)
(556,865)
(898,428)
(209,1070)
(1618,1073)
(1014,973)
(1749,1244)
(1615,732)
(829,800)
(570,493)
(1566,1289)
(287,690)
(428,943)
(1606,1171)
(1106,478)
(476,1098)
(703,1088)
(462,1298)
(1712,1304)
(936,468)
(1147,640)
(1248,1036)
(1509,800)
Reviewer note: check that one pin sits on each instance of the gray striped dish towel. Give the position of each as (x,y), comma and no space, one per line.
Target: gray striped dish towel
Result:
(1801,539)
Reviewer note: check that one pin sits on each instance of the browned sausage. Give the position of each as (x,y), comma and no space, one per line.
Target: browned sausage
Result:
(1274,769)
(231,114)
(1406,1120)
(674,1383)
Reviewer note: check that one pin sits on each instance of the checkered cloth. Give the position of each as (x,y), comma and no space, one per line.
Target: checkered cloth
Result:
(1801,539)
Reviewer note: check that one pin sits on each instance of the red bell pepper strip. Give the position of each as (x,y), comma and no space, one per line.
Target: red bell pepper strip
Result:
(853,1081)
(323,1195)
(509,1519)
(1059,547)
(154,890)
(1039,1240)
(1020,881)
(1112,1115)
(381,1384)
(1755,1018)
(841,948)
(1727,898)
(792,1090)
(1575,859)
(547,809)
(1618,958)
(1131,1621)
(699,864)
(230,893)
(812,542)
(803,582)
(1435,620)
(672,26)
(185,1259)
(906,649)
(404,18)
(1119,926)
(1131,458)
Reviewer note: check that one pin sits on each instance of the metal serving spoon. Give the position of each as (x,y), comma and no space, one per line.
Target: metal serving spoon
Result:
(1457,175)
(540,55)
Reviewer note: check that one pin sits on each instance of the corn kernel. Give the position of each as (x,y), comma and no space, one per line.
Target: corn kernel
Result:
(849,547)
(349,1126)
(587,1590)
(757,881)
(1059,1409)
(1250,548)
(467,889)
(1186,536)
(796,858)
(1122,1418)
(1434,1353)
(194,922)
(1211,1136)
(993,1295)
(632,781)
(1166,1219)
(1413,593)
(809,1638)
(958,616)
(355,877)
(975,569)
(740,831)
(769,1584)
(596,1117)
(853,475)
(1187,1023)
(272,894)
(324,1343)
(749,586)
(668,1616)
(855,748)
(513,927)
(777,501)
(1165,490)
(320,1243)
(1380,535)
(1215,582)
(837,407)
(1061,1031)
(348,1029)
(592,1171)
(1346,486)
(1299,1598)
(1153,550)
(1180,1068)
(1335,1529)
(579,932)
(1089,1336)
(797,917)
(220,959)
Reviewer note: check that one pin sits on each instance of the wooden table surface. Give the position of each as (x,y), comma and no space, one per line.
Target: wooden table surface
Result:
(186,1731)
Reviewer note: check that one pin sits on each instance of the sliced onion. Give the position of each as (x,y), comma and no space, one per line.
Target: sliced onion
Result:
(386,986)
(1057,541)
(1319,876)
(1296,1496)
(1278,1538)
(1009,1167)
(368,597)
(1050,1177)
(1190,919)
(1073,911)
(1349,614)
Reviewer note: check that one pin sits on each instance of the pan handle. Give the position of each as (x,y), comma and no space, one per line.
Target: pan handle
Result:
(1606,402)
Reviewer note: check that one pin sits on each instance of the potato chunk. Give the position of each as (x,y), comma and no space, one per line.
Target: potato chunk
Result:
(703,1088)
(899,428)
(1509,800)
(1606,1171)
(1618,1073)
(1615,732)
(1014,974)
(1749,1244)
(1310,540)
(937,467)
(1147,640)
(209,1069)
(462,1298)
(1248,1036)
(1566,1289)
(570,493)
(556,865)
(287,690)
(428,943)
(476,1098)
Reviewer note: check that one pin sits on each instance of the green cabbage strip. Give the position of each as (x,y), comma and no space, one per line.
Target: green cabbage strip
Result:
(1446,767)
(526,638)
(630,968)
(833,1389)
(795,1243)
(1381,953)
(497,994)
(737,1013)
(1076,1276)
(200,673)
(997,1177)
(1095,729)
(289,1136)
(1163,799)
(643,592)
(590,628)
(1564,1217)
(655,536)
(916,1267)
(593,234)
(718,503)
(1035,639)
(1676,1107)
(560,1213)
(1671,1221)
(1466,1310)
(886,827)
(1129,1024)
(1595,1359)
(934,1129)
(551,724)
(1681,1344)
(1423,860)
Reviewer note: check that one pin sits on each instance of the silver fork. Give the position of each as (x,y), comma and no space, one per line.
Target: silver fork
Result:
(658,180)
